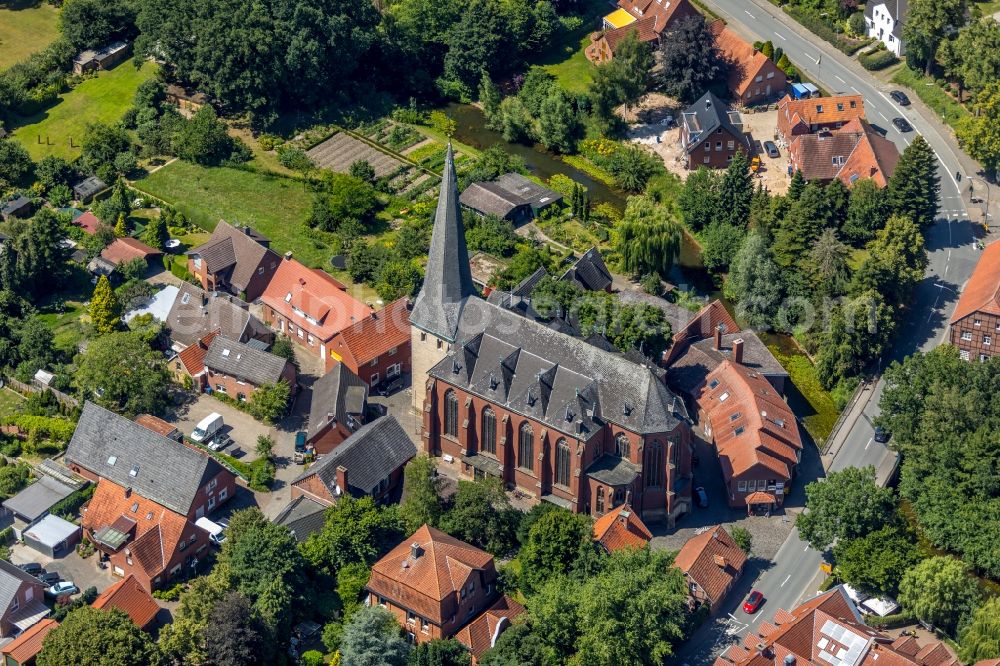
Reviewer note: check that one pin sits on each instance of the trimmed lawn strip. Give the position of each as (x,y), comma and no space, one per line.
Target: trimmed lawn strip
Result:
(102,98)
(10,402)
(821,411)
(932,95)
(583,164)
(565,58)
(277,207)
(25,31)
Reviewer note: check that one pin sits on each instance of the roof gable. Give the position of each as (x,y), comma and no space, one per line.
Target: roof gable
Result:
(379,332)
(243,361)
(982,291)
(128,596)
(621,528)
(312,299)
(329,399)
(239,249)
(712,560)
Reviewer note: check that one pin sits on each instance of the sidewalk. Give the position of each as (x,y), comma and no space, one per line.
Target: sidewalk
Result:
(846,425)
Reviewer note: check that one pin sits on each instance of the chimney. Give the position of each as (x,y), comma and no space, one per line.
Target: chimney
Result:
(721,561)
(718,337)
(623,517)
(342,479)
(288,255)
(708,103)
(246,229)
(738,351)
(415,550)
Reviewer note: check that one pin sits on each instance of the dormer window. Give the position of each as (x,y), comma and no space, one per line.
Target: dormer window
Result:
(134,471)
(288,297)
(135,507)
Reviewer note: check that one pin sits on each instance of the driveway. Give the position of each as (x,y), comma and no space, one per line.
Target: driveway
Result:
(84,572)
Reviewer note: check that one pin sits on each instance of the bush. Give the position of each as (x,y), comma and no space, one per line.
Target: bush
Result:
(68,508)
(889,621)
(269,141)
(172,593)
(261,475)
(312,658)
(7,536)
(880,59)
(822,28)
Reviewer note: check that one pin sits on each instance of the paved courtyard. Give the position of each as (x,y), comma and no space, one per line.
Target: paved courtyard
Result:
(84,572)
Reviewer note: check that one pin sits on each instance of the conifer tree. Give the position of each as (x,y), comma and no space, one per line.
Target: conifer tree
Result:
(736,192)
(120,229)
(915,187)
(104,307)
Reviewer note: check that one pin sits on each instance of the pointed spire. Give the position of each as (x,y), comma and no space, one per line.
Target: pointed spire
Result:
(448,279)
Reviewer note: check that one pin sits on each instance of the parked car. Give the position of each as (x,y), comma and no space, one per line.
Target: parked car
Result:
(33,568)
(701,497)
(220,442)
(50,578)
(390,386)
(753,602)
(207,427)
(62,589)
(882,435)
(900,97)
(216,532)
(902,125)
(771,149)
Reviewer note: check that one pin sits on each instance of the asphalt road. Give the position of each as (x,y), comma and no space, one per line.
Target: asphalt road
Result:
(794,572)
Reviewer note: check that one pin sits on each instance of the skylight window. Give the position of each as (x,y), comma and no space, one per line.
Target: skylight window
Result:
(288,297)
(724,396)
(134,471)
(713,383)
(225,353)
(112,460)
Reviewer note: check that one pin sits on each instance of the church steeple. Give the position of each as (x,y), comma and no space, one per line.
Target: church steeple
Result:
(448,279)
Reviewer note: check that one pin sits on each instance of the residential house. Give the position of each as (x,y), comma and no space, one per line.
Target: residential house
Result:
(130,597)
(850,153)
(711,563)
(808,116)
(310,307)
(754,433)
(339,402)
(369,463)
(828,629)
(87,188)
(506,396)
(237,260)
(711,133)
(237,369)
(975,324)
(150,490)
(689,367)
(703,325)
(196,313)
(884,19)
(377,348)
(647,19)
(22,650)
(435,585)
(482,633)
(589,272)
(20,206)
(128,249)
(621,528)
(302,516)
(21,598)
(753,77)
(103,58)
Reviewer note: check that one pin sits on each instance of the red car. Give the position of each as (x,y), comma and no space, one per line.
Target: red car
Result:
(753,602)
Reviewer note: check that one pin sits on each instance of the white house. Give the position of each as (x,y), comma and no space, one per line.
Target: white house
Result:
(884,19)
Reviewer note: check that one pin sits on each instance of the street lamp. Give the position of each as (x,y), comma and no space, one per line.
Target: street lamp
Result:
(986,210)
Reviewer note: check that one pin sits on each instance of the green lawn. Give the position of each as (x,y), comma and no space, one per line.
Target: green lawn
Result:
(276,207)
(932,95)
(988,7)
(25,29)
(807,397)
(10,402)
(103,98)
(63,312)
(566,61)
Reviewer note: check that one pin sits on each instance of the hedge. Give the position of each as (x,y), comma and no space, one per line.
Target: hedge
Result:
(68,507)
(889,621)
(880,59)
(821,28)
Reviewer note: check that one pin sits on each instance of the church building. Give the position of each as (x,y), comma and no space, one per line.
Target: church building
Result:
(549,414)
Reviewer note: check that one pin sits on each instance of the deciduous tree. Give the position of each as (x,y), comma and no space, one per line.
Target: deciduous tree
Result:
(689,60)
(237,637)
(876,562)
(981,637)
(927,23)
(355,530)
(647,239)
(846,505)
(866,211)
(15,161)
(372,637)
(421,494)
(483,516)
(754,283)
(980,134)
(121,372)
(698,202)
(559,543)
(89,636)
(939,591)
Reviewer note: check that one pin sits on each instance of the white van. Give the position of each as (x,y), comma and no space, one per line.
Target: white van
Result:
(216,532)
(208,426)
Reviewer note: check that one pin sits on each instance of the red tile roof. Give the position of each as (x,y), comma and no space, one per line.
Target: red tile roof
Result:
(665,12)
(644,30)
(746,62)
(379,332)
(312,300)
(712,560)
(193,357)
(751,424)
(849,153)
(28,644)
(88,222)
(982,291)
(621,528)
(131,598)
(126,249)
(481,634)
(444,566)
(157,529)
(818,111)
(156,424)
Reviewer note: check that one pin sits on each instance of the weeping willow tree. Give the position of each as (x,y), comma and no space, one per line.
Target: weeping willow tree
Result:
(647,239)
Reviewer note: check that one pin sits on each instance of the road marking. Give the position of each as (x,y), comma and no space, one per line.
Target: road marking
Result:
(780,36)
(805,549)
(750,15)
(858,91)
(839,79)
(947,171)
(869,443)
(785,581)
(815,60)
(882,114)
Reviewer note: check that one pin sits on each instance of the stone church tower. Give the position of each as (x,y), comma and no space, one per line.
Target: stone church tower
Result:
(447,284)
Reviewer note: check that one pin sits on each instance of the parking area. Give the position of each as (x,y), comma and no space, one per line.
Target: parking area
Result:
(774,170)
(84,572)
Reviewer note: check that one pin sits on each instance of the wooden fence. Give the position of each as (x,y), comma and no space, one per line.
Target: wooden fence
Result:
(38,387)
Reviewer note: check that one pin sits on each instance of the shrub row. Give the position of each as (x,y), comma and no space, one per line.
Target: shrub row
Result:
(68,508)
(880,59)
(821,28)
(889,621)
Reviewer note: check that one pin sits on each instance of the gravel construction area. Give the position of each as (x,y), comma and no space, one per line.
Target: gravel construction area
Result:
(341,150)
